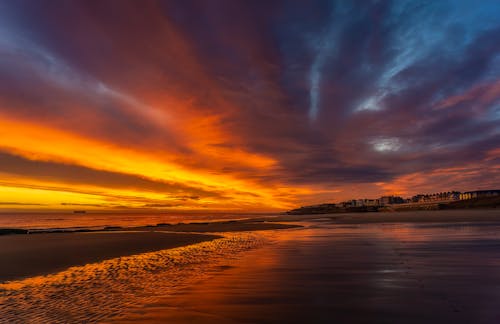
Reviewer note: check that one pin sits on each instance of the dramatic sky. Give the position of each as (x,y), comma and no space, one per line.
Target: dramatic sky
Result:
(245,105)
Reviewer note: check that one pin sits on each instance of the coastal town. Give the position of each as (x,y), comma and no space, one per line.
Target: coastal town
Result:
(440,200)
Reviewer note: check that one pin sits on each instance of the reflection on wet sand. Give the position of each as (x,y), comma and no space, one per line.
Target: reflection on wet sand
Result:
(323,272)
(99,291)
(351,273)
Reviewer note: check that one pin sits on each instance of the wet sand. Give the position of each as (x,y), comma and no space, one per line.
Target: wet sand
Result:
(24,256)
(28,255)
(96,292)
(326,272)
(226,226)
(362,268)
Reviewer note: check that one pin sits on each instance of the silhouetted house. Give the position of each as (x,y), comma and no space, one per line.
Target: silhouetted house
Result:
(436,197)
(479,194)
(390,200)
(371,202)
(385,200)
(454,195)
(344,204)
(417,198)
(358,203)
(398,200)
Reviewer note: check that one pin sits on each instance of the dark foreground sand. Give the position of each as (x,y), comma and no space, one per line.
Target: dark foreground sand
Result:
(24,256)
(28,255)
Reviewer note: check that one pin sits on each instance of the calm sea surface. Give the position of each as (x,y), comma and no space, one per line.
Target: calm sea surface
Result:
(99,220)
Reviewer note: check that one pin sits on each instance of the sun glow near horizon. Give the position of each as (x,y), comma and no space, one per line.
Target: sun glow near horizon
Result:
(161,106)
(40,143)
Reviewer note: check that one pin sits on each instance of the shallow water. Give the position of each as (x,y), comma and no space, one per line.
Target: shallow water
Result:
(363,273)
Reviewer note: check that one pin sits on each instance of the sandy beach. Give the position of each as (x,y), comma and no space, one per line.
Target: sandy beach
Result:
(27,255)
(325,161)
(38,254)
(43,253)
(383,267)
(400,272)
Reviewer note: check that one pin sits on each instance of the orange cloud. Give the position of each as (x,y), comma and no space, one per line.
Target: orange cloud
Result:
(41,143)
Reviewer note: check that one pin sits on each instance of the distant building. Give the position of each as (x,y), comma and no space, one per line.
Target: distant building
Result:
(359,203)
(390,200)
(417,198)
(398,200)
(385,200)
(371,202)
(479,194)
(344,204)
(436,197)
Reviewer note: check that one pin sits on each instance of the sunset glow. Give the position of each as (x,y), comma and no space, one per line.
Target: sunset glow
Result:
(237,106)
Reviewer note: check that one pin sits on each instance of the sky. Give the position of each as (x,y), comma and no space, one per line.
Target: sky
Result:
(245,105)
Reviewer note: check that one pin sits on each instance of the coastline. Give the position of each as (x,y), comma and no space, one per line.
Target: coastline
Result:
(137,266)
(480,203)
(97,292)
(52,250)
(26,255)
(414,216)
(328,272)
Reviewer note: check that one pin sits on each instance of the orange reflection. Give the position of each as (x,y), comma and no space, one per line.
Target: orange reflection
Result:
(102,290)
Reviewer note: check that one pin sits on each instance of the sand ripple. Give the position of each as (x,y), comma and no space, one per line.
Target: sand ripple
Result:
(100,291)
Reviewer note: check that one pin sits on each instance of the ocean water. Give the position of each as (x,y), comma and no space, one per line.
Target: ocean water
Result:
(94,220)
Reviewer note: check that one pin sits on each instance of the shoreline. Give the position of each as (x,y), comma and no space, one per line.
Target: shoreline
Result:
(414,216)
(98,292)
(26,255)
(280,222)
(483,203)
(410,273)
(202,227)
(47,251)
(102,268)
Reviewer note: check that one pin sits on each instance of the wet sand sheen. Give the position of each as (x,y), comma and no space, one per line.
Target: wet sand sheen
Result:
(398,272)
(350,273)
(25,256)
(99,291)
(30,255)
